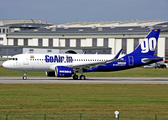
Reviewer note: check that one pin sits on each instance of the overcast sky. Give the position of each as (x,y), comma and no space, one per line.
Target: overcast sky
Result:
(64,11)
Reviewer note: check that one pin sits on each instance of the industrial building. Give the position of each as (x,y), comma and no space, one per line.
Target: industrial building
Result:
(90,37)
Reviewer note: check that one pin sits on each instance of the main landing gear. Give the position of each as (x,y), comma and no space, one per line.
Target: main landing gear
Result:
(82,77)
(75,77)
(25,76)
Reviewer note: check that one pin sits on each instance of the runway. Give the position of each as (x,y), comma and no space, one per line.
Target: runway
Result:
(89,80)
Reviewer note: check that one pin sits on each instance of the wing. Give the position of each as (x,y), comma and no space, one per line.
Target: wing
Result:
(95,64)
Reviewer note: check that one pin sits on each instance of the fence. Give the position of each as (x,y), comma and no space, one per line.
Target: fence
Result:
(81,117)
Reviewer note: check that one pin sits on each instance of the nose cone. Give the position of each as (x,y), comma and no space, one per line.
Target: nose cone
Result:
(5,64)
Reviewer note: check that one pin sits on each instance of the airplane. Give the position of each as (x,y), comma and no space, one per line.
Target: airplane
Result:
(67,65)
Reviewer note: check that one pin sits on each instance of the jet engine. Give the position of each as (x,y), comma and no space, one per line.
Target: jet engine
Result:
(60,71)
(63,71)
(50,73)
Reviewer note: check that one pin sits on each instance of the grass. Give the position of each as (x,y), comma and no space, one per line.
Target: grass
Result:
(136,72)
(83,99)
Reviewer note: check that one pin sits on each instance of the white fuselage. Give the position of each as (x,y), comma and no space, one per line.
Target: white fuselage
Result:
(48,62)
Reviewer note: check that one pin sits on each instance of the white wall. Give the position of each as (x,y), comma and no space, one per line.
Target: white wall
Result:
(20,42)
(130,45)
(30,42)
(61,42)
(161,47)
(4,41)
(10,41)
(72,42)
(118,45)
(88,42)
(34,42)
(83,42)
(45,42)
(55,42)
(100,41)
(111,44)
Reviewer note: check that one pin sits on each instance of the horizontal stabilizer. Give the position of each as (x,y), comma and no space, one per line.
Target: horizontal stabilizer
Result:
(146,60)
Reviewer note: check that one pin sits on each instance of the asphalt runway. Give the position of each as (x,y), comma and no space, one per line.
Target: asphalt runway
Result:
(89,80)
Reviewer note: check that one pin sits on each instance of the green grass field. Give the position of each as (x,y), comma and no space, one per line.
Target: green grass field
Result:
(83,99)
(136,72)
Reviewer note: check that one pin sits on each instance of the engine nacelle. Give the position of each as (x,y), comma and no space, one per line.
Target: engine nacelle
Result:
(63,71)
(50,73)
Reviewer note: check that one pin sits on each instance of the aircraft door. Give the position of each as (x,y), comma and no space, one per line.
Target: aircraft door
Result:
(25,59)
(131,60)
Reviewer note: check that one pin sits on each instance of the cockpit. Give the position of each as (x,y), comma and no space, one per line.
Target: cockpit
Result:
(11,63)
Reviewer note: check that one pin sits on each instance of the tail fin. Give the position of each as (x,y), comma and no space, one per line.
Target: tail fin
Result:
(148,45)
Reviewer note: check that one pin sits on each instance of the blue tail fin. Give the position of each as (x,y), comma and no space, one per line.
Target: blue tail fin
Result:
(148,45)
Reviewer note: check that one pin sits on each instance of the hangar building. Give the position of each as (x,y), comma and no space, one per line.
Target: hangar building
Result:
(92,37)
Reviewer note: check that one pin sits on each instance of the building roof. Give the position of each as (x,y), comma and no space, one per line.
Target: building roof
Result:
(25,24)
(113,27)
(114,23)
(23,21)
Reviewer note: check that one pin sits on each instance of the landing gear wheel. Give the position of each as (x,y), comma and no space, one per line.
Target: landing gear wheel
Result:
(82,77)
(75,77)
(25,75)
(24,78)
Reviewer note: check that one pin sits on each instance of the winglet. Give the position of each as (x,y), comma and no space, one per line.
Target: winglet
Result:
(118,54)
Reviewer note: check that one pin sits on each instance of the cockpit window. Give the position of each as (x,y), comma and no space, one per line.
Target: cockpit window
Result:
(13,59)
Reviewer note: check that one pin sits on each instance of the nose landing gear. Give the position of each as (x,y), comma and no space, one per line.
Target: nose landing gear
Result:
(25,75)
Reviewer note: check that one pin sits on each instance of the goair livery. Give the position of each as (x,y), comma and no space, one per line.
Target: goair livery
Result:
(67,65)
